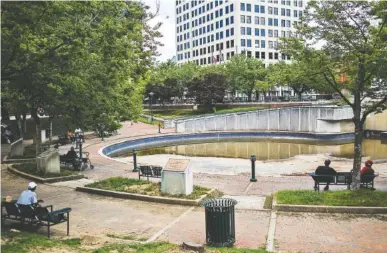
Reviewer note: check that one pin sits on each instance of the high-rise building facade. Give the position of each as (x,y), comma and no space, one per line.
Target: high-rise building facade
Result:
(211,32)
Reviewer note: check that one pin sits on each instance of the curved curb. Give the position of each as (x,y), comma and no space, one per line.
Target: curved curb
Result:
(176,139)
(156,199)
(44,180)
(24,160)
(329,209)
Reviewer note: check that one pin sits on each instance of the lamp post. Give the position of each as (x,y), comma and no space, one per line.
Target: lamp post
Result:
(103,125)
(150,103)
(253,158)
(78,142)
(135,169)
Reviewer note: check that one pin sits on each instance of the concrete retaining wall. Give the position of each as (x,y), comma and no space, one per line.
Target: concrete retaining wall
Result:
(302,119)
(48,162)
(17,148)
(169,140)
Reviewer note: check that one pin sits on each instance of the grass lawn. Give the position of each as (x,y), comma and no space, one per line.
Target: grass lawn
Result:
(24,242)
(332,198)
(144,187)
(30,168)
(174,114)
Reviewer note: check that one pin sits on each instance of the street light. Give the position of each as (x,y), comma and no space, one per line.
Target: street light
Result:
(253,158)
(150,103)
(103,125)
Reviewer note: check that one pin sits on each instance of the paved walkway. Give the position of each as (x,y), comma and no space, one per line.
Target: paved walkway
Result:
(95,216)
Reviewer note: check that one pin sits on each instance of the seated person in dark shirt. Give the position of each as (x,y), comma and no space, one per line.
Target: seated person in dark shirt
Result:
(71,153)
(326,170)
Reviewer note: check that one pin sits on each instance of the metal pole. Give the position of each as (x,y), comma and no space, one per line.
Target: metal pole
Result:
(151,109)
(135,161)
(80,149)
(253,158)
(159,128)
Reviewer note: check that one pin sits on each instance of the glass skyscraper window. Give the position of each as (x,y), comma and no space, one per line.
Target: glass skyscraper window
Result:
(243,7)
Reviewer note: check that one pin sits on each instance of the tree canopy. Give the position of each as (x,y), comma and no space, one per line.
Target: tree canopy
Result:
(352,56)
(76,59)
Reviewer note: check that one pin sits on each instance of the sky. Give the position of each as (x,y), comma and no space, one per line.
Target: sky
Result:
(167,17)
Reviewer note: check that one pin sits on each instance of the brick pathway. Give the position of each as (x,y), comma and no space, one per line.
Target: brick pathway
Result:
(295,232)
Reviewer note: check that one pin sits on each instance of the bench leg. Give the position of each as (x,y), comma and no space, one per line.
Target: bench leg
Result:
(68,223)
(48,230)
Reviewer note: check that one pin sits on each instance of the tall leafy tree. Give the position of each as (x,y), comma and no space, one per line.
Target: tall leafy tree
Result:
(353,37)
(209,87)
(76,59)
(246,74)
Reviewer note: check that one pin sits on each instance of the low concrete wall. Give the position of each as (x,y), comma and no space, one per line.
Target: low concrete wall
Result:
(165,123)
(329,209)
(17,148)
(376,121)
(176,139)
(302,119)
(48,162)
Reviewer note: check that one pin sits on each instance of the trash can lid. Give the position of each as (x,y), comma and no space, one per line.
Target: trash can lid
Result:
(219,202)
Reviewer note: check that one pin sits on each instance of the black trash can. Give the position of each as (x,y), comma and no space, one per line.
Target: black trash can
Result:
(220,222)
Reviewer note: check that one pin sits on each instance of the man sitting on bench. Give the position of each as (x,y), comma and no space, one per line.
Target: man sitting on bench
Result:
(71,153)
(326,170)
(28,197)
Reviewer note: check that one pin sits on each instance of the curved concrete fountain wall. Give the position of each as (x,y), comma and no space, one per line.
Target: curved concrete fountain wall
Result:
(327,119)
(170,140)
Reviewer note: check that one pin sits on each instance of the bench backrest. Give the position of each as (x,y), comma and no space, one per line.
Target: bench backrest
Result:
(11,208)
(157,171)
(146,170)
(26,211)
(367,178)
(323,178)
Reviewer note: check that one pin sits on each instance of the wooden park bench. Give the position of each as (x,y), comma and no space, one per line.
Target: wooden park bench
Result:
(35,215)
(150,171)
(342,178)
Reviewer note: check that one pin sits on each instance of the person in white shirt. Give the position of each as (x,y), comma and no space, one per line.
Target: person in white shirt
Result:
(28,197)
(78,132)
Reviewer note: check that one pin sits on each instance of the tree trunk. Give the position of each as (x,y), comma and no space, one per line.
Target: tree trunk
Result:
(19,125)
(50,130)
(38,140)
(24,122)
(358,142)
(299,95)
(249,94)
(256,95)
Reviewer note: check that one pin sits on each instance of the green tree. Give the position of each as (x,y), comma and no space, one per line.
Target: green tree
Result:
(295,75)
(76,59)
(353,36)
(209,87)
(246,74)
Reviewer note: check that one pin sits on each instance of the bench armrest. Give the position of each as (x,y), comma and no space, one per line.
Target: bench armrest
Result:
(48,206)
(61,211)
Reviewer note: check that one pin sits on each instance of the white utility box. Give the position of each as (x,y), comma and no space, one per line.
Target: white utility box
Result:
(177,177)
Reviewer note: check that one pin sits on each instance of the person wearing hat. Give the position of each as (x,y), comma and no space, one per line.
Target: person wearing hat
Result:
(326,170)
(28,197)
(367,170)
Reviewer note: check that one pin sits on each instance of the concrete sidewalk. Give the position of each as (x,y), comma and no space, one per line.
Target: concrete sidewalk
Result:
(96,216)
